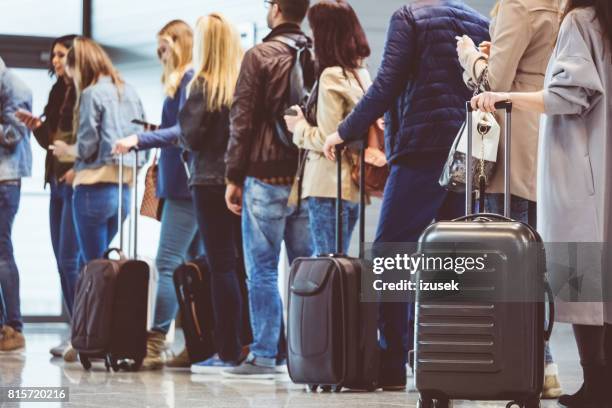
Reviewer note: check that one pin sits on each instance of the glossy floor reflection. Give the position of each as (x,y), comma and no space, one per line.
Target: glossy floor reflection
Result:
(171,388)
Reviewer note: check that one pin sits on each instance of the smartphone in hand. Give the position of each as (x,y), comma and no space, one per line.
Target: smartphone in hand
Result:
(148,126)
(291,112)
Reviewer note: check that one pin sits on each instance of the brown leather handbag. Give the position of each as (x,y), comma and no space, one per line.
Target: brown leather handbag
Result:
(375,176)
(151,206)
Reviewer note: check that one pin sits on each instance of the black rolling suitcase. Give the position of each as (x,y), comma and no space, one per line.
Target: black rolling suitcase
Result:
(332,336)
(110,313)
(193,291)
(488,345)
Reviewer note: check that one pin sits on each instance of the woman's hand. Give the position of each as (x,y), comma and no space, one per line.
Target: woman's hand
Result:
(68,177)
(123,146)
(292,121)
(486,101)
(485,48)
(62,149)
(27,118)
(329,150)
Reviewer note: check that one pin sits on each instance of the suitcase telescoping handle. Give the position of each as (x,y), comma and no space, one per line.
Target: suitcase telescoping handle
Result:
(362,203)
(134,208)
(507,106)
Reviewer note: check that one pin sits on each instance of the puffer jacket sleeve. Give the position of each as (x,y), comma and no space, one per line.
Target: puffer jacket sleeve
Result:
(391,79)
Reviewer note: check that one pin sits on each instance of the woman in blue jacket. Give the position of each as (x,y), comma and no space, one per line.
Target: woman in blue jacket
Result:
(179,239)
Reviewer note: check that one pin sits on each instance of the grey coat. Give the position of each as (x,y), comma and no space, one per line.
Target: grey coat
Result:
(575,161)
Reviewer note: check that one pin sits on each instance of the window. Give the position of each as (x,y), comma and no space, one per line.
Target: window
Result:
(40,18)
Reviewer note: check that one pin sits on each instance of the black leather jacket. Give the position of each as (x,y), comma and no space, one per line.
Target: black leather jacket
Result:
(204,137)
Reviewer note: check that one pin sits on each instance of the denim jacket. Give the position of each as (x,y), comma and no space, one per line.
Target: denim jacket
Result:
(105,115)
(15,150)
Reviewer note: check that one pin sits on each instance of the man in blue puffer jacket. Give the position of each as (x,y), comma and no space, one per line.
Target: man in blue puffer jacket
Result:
(420,90)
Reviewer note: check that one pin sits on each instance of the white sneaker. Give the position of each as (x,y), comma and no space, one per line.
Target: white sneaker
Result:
(58,350)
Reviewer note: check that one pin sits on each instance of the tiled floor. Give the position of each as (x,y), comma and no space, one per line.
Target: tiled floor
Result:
(181,389)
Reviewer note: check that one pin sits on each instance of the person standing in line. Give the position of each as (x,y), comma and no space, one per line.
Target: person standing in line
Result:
(574,188)
(104,110)
(56,124)
(204,121)
(342,82)
(420,87)
(15,163)
(523,34)
(259,173)
(179,240)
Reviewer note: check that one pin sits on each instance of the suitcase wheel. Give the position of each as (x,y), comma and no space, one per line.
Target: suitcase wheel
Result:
(337,388)
(326,388)
(85,361)
(107,362)
(135,366)
(425,403)
(443,403)
(313,387)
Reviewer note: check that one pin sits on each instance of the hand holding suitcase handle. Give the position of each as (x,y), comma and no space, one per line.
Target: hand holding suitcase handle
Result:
(507,106)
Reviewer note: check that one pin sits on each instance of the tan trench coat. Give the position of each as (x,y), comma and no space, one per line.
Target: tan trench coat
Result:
(523,37)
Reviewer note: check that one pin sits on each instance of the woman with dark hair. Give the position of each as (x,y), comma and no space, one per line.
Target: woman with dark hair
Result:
(341,48)
(574,188)
(56,124)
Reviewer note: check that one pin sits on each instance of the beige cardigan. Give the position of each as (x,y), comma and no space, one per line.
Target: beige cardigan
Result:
(338,95)
(523,37)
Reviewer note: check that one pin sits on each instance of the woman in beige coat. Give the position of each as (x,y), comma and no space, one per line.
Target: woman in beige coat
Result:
(341,47)
(523,34)
(574,185)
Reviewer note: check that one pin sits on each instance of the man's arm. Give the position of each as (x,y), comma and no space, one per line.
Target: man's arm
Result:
(14,95)
(243,117)
(390,81)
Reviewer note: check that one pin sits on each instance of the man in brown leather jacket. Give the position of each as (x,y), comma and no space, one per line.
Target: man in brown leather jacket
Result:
(259,174)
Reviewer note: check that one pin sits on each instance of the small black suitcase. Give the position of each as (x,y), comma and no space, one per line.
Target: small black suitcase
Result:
(332,336)
(488,345)
(110,314)
(193,291)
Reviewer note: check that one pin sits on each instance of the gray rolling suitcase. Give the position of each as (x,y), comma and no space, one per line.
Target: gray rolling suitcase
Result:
(485,342)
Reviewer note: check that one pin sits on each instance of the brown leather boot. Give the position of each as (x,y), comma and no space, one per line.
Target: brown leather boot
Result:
(11,340)
(156,345)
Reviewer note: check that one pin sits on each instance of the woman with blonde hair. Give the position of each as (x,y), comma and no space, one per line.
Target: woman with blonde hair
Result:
(523,35)
(205,123)
(178,241)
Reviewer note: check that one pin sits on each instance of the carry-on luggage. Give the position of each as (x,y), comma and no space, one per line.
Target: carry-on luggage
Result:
(485,342)
(110,313)
(193,291)
(332,336)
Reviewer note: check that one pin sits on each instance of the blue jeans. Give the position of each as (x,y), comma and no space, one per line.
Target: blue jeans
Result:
(64,239)
(520,210)
(322,215)
(267,220)
(95,210)
(178,243)
(412,200)
(9,275)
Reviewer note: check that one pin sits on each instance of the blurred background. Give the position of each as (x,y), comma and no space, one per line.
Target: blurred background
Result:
(127,29)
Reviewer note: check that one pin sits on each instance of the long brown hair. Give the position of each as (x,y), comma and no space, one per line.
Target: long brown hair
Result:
(88,62)
(217,56)
(179,37)
(338,35)
(603,13)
